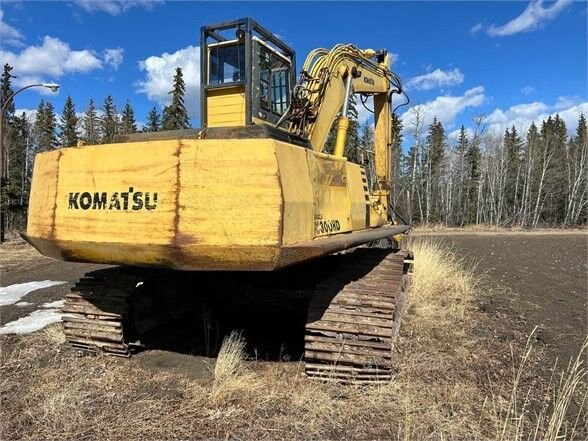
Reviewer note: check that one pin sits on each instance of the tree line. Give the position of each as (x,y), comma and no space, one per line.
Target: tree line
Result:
(539,178)
(514,179)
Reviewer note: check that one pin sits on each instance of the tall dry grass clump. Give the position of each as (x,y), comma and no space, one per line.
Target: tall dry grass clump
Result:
(443,286)
(436,391)
(231,374)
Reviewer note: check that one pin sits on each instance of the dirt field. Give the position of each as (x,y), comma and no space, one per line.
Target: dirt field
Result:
(539,279)
(462,337)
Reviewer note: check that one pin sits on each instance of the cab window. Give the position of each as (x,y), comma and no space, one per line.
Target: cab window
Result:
(274,78)
(227,64)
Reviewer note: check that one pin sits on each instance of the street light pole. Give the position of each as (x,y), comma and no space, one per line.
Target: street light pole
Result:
(3,167)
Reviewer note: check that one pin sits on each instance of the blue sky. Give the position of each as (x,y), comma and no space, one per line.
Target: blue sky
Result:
(513,62)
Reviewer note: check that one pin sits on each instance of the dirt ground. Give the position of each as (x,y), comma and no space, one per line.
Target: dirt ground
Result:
(539,279)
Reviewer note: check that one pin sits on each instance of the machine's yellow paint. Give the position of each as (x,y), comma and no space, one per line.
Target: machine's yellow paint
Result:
(221,203)
(44,189)
(226,106)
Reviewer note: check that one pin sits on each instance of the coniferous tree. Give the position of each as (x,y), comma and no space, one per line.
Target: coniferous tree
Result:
(473,176)
(6,92)
(435,154)
(175,116)
(577,174)
(554,141)
(529,164)
(436,141)
(109,126)
(353,142)
(45,125)
(153,121)
(461,152)
(513,145)
(397,139)
(68,127)
(91,125)
(128,124)
(367,148)
(581,132)
(18,139)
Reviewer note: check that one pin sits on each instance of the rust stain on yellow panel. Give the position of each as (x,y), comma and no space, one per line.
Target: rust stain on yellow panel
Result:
(43,192)
(297,192)
(226,107)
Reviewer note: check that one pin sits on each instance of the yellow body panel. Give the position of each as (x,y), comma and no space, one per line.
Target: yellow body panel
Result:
(226,107)
(225,204)
(41,218)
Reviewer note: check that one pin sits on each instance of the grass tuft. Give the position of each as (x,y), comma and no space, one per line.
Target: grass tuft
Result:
(231,374)
(54,333)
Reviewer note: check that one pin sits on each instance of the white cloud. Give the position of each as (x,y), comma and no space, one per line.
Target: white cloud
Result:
(437,78)
(393,58)
(115,7)
(114,57)
(527,90)
(159,71)
(9,34)
(445,108)
(53,59)
(476,28)
(522,115)
(30,114)
(534,16)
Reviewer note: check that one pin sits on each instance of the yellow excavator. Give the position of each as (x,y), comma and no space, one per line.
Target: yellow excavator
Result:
(188,213)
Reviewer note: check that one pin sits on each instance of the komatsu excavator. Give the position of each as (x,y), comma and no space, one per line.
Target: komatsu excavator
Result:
(193,212)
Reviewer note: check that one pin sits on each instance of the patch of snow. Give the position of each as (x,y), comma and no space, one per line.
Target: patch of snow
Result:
(33,322)
(22,304)
(13,293)
(55,304)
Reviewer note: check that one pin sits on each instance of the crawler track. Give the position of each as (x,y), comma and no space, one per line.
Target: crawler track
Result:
(114,309)
(355,307)
(351,330)
(95,310)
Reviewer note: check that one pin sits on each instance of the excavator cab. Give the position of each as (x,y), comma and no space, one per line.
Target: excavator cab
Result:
(246,74)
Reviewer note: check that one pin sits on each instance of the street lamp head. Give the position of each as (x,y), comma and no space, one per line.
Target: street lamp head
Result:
(51,86)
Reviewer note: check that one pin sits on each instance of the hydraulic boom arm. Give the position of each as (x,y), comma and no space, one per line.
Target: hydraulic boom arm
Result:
(326,82)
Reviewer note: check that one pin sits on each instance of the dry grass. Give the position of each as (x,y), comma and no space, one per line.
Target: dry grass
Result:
(15,252)
(231,375)
(54,334)
(453,382)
